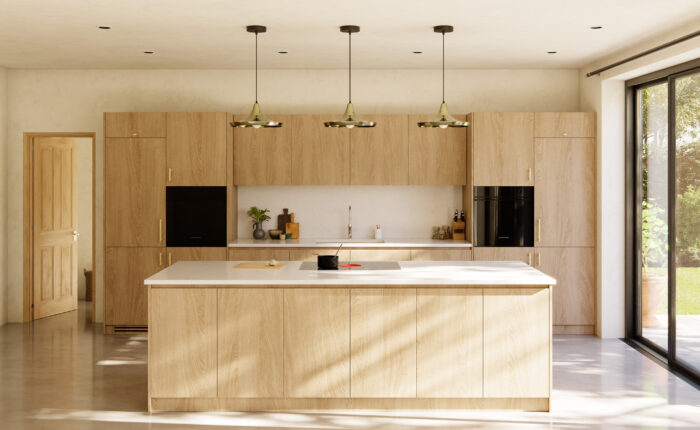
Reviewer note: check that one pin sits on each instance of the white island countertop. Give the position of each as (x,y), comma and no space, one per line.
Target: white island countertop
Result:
(425,273)
(355,243)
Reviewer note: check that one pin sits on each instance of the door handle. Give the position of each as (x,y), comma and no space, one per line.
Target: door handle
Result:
(170,259)
(75,235)
(539,230)
(160,259)
(160,230)
(529,259)
(529,174)
(170,174)
(538,260)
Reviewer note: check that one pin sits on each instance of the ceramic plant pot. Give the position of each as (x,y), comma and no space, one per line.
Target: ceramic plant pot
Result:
(258,232)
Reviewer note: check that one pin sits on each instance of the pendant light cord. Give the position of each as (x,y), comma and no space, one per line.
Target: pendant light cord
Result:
(256,67)
(349,67)
(443,67)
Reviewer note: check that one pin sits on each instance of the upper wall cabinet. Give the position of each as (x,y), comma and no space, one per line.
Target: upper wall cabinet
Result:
(565,124)
(263,156)
(320,155)
(436,156)
(503,148)
(134,124)
(379,155)
(196,153)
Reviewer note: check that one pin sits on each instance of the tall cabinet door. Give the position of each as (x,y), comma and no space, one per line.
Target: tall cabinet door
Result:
(379,155)
(263,156)
(320,155)
(197,148)
(436,156)
(134,192)
(134,124)
(503,148)
(126,301)
(564,192)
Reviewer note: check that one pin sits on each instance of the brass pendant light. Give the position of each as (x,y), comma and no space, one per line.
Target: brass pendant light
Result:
(443,118)
(256,119)
(349,120)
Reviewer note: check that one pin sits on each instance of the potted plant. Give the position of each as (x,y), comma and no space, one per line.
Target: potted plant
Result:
(259,216)
(654,259)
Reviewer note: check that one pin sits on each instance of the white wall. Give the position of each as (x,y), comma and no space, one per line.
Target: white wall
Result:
(605,94)
(3,196)
(322,212)
(84,160)
(73,100)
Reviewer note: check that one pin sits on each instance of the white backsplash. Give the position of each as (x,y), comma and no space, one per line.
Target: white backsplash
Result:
(322,211)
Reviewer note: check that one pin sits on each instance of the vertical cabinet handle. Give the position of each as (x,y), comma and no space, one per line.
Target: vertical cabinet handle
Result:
(529,259)
(539,230)
(160,259)
(538,260)
(529,174)
(134,134)
(170,174)
(160,230)
(170,259)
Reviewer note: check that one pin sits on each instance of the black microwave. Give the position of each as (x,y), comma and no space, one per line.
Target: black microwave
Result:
(504,216)
(196,216)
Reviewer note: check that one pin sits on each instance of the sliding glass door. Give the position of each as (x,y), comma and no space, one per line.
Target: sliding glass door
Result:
(665,289)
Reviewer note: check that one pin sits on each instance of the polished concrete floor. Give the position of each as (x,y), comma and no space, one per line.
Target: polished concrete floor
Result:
(62,373)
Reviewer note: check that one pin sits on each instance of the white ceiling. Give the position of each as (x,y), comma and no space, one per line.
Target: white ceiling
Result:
(208,34)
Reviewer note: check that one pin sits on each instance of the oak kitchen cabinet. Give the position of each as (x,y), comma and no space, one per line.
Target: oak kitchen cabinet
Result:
(502,148)
(488,253)
(436,156)
(379,155)
(126,303)
(565,192)
(263,156)
(176,254)
(565,124)
(441,254)
(320,155)
(134,192)
(134,124)
(258,254)
(196,148)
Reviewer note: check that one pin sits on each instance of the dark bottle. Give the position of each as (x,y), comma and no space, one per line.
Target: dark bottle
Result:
(461,216)
(455,218)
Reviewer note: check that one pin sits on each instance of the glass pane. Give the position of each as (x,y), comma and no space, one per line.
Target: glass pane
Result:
(653,146)
(687,101)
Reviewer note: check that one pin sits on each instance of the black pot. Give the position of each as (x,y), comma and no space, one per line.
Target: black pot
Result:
(327,262)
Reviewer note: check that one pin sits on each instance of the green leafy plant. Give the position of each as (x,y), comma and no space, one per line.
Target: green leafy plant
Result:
(688,227)
(258,216)
(654,235)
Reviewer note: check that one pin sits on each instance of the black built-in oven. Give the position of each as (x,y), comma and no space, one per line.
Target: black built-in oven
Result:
(504,216)
(196,216)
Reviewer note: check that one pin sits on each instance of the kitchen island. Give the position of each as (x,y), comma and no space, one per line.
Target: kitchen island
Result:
(420,335)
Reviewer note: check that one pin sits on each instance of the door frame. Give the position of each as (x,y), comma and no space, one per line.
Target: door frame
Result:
(28,215)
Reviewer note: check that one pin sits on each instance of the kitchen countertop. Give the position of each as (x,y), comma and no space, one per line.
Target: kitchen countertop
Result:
(358,243)
(425,273)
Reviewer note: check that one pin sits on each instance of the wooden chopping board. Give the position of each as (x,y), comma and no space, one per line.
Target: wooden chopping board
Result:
(257,266)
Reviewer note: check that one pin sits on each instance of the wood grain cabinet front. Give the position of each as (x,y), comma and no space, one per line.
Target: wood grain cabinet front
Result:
(196,144)
(263,156)
(134,212)
(565,124)
(196,254)
(379,155)
(258,254)
(126,302)
(320,155)
(441,254)
(503,148)
(380,254)
(135,124)
(436,156)
(182,341)
(525,255)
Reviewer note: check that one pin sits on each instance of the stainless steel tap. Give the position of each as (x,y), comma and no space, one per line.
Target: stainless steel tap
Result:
(349,222)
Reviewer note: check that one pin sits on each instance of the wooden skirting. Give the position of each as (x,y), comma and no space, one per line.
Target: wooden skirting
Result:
(574,329)
(291,404)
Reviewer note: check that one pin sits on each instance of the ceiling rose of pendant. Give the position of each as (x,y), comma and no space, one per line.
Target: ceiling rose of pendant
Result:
(443,118)
(349,119)
(256,119)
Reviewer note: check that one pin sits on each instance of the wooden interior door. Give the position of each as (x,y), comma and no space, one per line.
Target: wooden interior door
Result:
(55,259)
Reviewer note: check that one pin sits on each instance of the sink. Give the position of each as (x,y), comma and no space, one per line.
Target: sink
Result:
(351,241)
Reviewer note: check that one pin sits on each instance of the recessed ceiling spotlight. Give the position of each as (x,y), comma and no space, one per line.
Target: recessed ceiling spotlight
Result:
(551,52)
(149,52)
(417,52)
(104,27)
(283,52)
(596,27)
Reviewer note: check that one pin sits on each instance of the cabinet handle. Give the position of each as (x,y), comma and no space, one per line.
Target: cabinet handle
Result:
(160,259)
(134,134)
(538,260)
(529,259)
(170,259)
(529,174)
(565,134)
(170,174)
(160,230)
(539,230)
